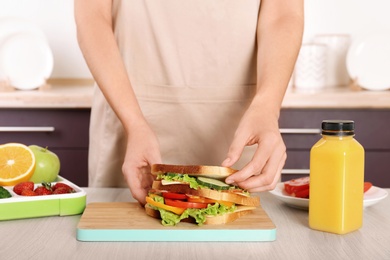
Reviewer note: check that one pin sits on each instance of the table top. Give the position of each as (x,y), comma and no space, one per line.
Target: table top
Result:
(55,237)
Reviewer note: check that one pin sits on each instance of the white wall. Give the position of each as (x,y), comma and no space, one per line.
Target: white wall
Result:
(55,17)
(355,17)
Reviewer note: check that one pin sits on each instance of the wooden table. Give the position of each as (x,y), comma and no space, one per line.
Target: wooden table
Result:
(55,238)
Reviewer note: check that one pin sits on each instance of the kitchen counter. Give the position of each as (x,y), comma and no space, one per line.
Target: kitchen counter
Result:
(61,93)
(342,97)
(55,238)
(78,94)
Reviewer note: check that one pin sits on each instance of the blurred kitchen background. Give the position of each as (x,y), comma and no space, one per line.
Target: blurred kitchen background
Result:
(355,17)
(57,114)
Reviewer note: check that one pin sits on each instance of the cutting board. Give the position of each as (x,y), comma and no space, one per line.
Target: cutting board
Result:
(127,221)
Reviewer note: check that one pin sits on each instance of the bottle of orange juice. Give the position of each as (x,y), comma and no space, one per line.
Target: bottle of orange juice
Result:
(336,179)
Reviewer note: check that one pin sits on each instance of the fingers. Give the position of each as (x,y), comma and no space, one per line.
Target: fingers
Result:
(234,153)
(139,189)
(264,170)
(139,195)
(265,181)
(139,181)
(137,174)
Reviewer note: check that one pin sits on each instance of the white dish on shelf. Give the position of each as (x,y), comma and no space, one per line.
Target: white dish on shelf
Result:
(13,25)
(371,197)
(26,60)
(368,62)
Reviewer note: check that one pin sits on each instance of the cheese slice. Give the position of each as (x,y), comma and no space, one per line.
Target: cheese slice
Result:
(166,182)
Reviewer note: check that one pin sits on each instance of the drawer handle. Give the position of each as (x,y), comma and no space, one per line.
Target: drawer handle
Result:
(300,130)
(27,129)
(296,171)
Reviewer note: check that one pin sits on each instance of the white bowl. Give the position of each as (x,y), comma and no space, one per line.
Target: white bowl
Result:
(26,60)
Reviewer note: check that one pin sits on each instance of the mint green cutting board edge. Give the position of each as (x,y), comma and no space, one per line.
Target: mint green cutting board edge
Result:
(176,235)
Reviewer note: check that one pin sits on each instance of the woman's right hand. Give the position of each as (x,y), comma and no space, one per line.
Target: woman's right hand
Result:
(142,151)
(100,49)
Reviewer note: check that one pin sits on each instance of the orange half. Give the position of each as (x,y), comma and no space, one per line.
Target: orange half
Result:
(17,164)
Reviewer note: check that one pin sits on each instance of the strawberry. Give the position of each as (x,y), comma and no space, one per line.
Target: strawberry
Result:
(45,189)
(20,187)
(28,193)
(42,191)
(63,185)
(63,190)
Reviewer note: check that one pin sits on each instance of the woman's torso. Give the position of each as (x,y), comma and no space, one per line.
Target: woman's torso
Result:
(192,65)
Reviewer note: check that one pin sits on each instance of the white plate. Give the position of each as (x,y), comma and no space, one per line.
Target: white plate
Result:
(371,197)
(26,60)
(13,25)
(368,62)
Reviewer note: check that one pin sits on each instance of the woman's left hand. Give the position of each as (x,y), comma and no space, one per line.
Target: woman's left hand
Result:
(258,126)
(279,37)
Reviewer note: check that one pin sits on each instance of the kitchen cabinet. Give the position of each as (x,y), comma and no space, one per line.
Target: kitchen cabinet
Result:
(300,129)
(64,131)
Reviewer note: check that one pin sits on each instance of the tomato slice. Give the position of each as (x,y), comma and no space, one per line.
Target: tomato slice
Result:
(174,195)
(175,210)
(367,186)
(200,200)
(295,185)
(185,204)
(302,194)
(300,187)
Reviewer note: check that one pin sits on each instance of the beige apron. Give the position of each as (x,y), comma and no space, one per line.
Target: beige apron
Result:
(192,65)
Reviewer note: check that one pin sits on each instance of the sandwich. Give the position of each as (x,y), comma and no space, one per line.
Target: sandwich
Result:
(196,194)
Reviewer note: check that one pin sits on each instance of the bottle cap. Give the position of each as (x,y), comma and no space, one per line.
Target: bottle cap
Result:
(338,127)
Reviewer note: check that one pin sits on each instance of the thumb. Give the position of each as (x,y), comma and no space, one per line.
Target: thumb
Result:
(234,153)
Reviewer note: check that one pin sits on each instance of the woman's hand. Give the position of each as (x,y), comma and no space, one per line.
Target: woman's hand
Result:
(142,151)
(100,49)
(279,37)
(258,126)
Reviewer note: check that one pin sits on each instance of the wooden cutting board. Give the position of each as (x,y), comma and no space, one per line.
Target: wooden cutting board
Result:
(127,221)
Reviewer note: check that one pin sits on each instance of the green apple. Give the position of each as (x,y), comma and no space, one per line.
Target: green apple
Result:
(47,165)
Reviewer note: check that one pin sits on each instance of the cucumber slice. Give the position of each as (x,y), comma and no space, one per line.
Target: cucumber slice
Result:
(213,183)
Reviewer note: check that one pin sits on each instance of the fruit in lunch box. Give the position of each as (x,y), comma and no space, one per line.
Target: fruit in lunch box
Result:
(17,163)
(47,165)
(61,188)
(28,193)
(45,189)
(4,193)
(20,187)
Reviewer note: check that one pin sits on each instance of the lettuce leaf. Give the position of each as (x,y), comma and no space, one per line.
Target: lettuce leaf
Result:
(192,181)
(171,219)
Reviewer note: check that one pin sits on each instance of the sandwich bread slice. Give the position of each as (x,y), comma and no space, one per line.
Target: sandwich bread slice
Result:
(198,194)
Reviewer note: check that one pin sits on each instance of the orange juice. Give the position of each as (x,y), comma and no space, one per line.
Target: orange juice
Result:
(336,179)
